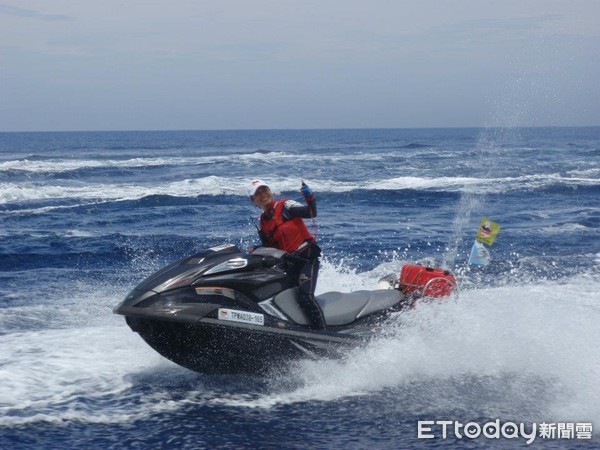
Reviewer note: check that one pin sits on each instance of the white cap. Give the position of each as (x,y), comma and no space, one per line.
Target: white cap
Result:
(254,185)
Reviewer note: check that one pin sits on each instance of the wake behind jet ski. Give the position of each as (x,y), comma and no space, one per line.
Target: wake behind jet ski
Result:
(225,311)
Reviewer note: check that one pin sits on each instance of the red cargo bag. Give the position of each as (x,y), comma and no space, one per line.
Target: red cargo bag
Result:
(426,281)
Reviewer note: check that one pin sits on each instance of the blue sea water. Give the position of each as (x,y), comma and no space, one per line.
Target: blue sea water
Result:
(85,216)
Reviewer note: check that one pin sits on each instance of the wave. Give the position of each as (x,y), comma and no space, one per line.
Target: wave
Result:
(587,173)
(570,228)
(64,165)
(415,145)
(41,165)
(61,165)
(35,191)
(19,196)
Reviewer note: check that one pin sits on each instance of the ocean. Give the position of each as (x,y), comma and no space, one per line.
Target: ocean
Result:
(85,216)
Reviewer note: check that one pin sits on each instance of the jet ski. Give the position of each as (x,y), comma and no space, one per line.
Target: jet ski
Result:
(226,311)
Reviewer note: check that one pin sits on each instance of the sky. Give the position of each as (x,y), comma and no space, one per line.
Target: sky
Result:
(68,65)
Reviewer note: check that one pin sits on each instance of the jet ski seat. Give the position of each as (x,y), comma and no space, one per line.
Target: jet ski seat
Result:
(341,308)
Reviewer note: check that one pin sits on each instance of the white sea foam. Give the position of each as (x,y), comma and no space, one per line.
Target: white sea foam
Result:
(514,341)
(586,173)
(78,233)
(566,228)
(44,369)
(213,185)
(506,341)
(64,165)
(447,183)
(60,165)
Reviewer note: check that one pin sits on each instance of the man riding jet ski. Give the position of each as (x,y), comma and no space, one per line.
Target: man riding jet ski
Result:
(225,311)
(282,226)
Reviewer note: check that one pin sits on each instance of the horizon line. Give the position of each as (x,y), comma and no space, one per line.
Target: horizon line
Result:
(157,130)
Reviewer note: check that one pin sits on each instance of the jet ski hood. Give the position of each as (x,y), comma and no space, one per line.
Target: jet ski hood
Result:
(186,270)
(205,265)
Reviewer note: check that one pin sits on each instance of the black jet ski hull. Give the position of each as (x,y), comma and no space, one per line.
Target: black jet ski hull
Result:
(211,346)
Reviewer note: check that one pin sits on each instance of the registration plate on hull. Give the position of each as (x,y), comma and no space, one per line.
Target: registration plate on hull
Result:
(234,315)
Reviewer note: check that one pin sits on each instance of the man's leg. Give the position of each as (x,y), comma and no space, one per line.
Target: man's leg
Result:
(307,282)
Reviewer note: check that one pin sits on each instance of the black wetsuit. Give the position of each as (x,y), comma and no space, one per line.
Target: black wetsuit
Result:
(304,271)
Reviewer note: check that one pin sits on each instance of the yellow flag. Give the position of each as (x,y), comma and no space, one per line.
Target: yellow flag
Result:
(487,232)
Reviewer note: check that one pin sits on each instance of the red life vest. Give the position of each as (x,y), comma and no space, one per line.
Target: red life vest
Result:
(286,235)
